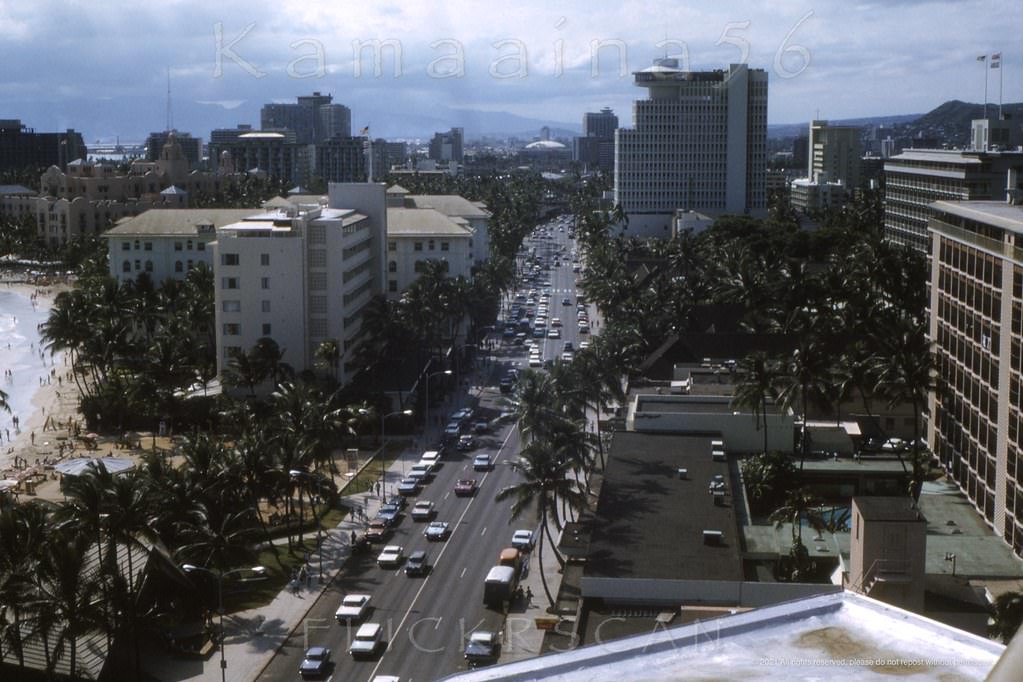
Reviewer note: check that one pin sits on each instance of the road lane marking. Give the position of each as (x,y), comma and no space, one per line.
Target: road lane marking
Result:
(462,574)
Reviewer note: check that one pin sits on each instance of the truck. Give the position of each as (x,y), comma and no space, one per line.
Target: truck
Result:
(499,586)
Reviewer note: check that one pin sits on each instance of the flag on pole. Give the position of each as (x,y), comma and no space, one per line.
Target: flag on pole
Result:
(996,60)
(364,131)
(982,58)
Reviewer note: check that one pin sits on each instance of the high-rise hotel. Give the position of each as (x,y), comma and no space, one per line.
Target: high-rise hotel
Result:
(698,143)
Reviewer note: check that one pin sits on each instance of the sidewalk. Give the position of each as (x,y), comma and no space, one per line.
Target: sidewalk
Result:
(254,636)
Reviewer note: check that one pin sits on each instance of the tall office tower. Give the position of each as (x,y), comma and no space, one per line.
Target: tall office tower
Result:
(448,146)
(600,124)
(918,177)
(976,302)
(698,143)
(22,147)
(313,118)
(343,159)
(834,154)
(595,149)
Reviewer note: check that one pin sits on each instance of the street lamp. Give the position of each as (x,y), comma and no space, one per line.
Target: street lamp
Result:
(305,475)
(426,426)
(192,568)
(383,473)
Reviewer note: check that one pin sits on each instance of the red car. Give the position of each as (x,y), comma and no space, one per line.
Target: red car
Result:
(465,487)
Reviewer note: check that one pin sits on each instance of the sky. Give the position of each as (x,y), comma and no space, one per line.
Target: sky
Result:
(102,67)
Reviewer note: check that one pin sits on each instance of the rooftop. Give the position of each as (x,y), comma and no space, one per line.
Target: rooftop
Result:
(410,222)
(449,204)
(885,508)
(843,636)
(177,221)
(997,213)
(649,523)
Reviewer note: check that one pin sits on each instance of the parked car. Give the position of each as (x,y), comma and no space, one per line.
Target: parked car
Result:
(483,647)
(416,563)
(466,487)
(423,510)
(437,530)
(421,472)
(522,540)
(481,462)
(391,556)
(390,512)
(378,529)
(368,639)
(481,426)
(466,442)
(316,662)
(353,608)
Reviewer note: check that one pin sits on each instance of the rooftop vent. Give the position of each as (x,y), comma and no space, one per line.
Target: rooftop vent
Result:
(713,537)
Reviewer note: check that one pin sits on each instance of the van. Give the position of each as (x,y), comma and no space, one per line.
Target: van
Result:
(431,457)
(421,472)
(509,556)
(367,640)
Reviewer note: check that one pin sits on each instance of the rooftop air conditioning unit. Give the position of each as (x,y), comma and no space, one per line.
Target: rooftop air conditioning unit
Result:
(713,537)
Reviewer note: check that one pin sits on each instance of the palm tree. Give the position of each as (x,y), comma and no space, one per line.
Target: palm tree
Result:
(1007,616)
(328,355)
(800,505)
(906,374)
(759,375)
(242,370)
(544,480)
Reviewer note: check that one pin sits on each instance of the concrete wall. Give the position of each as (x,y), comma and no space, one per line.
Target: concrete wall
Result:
(721,592)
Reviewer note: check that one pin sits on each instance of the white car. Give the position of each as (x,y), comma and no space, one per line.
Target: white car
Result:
(422,511)
(481,463)
(353,608)
(522,540)
(391,556)
(535,361)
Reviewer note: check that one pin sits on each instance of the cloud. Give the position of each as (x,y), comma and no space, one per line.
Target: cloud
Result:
(227,104)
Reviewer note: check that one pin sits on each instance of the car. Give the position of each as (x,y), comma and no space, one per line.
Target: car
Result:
(568,346)
(462,415)
(390,512)
(423,510)
(481,463)
(584,328)
(481,426)
(520,339)
(377,530)
(535,361)
(452,429)
(522,540)
(416,563)
(353,608)
(408,487)
(367,640)
(554,334)
(465,487)
(556,322)
(391,556)
(466,442)
(539,333)
(567,356)
(482,647)
(894,445)
(506,385)
(583,345)
(421,472)
(431,457)
(315,663)
(437,530)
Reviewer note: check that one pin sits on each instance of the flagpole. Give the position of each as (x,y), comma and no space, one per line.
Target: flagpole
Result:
(985,86)
(1000,70)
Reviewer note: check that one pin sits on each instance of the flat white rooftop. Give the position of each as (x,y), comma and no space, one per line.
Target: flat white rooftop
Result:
(842,636)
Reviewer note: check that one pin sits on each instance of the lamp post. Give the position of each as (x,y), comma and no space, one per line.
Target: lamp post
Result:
(306,476)
(383,473)
(426,426)
(220,575)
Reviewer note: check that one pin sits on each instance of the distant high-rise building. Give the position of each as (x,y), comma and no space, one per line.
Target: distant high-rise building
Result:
(801,151)
(221,135)
(22,147)
(274,153)
(595,149)
(191,147)
(698,143)
(448,146)
(313,118)
(916,178)
(992,134)
(342,159)
(834,154)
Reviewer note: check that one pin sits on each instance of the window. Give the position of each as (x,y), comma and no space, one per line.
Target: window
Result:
(392,266)
(229,283)
(392,245)
(417,246)
(232,306)
(229,259)
(266,306)
(200,246)
(264,259)
(177,246)
(179,266)
(392,285)
(147,246)
(136,244)
(266,329)
(432,245)
(188,265)
(445,246)
(138,265)
(126,267)
(188,245)
(231,352)
(232,329)
(125,246)
(264,282)
(149,266)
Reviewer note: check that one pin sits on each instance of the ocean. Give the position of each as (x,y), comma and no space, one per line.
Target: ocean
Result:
(19,353)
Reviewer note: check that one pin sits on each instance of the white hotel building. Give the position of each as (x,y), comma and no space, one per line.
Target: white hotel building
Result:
(300,276)
(699,143)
